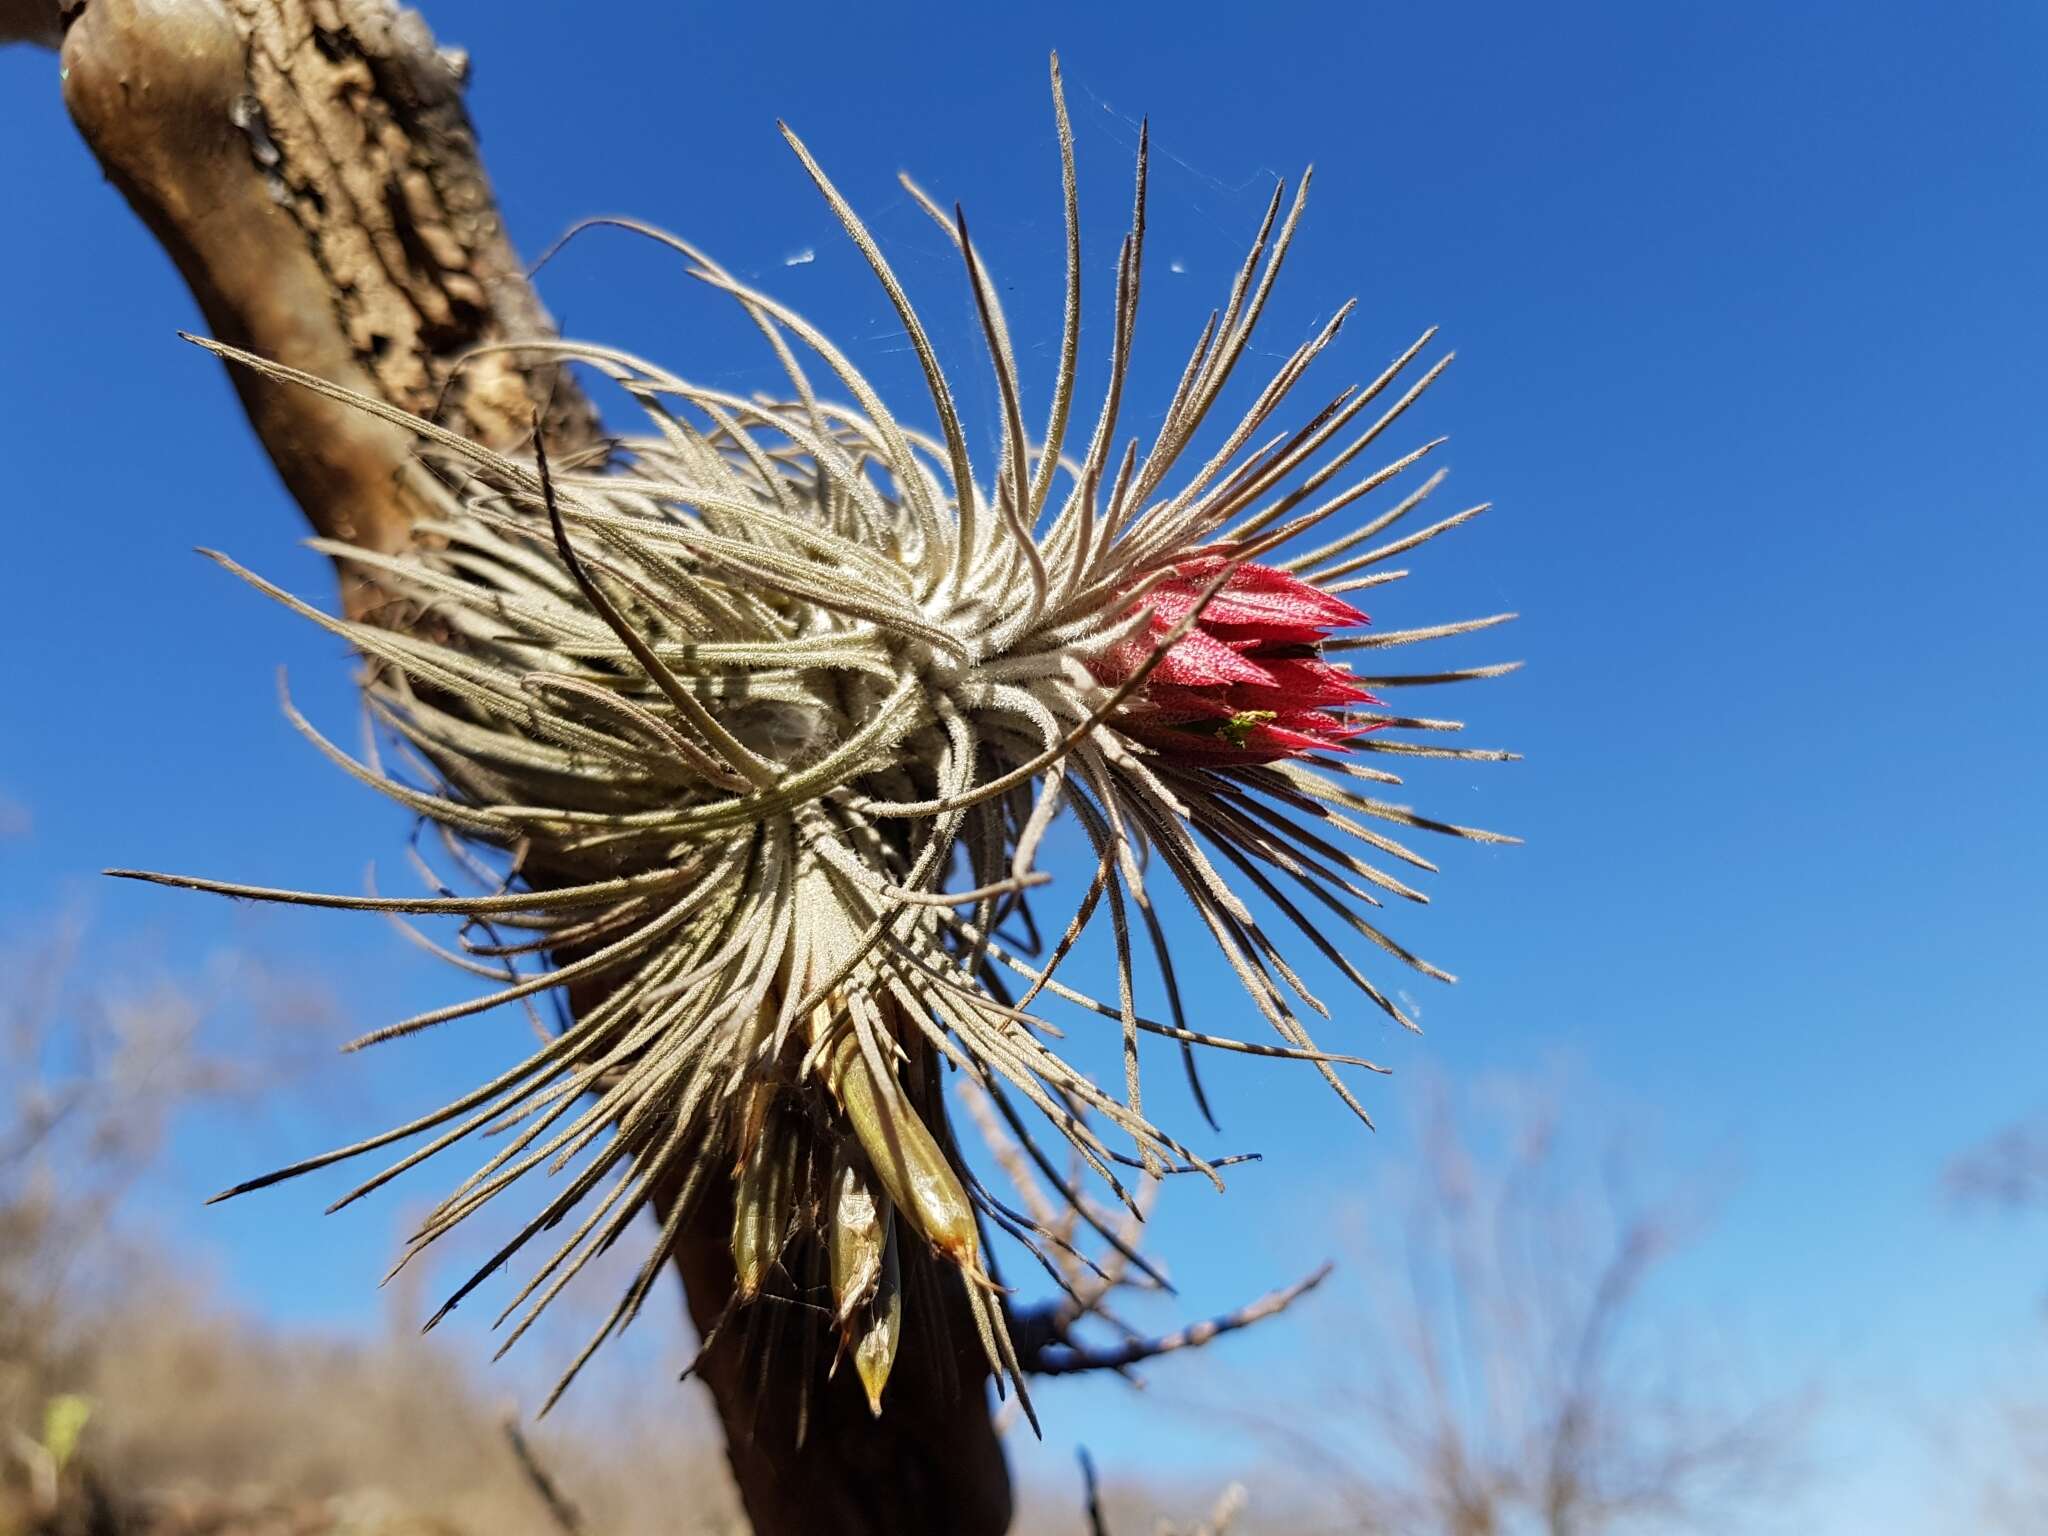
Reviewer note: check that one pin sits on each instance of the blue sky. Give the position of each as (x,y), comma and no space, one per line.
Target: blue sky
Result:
(1750,325)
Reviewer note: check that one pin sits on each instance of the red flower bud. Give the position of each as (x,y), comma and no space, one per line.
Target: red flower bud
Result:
(1247,682)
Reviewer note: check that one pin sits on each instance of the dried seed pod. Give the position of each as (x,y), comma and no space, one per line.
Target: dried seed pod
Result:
(752,1119)
(908,1163)
(764,1202)
(874,1351)
(857,1237)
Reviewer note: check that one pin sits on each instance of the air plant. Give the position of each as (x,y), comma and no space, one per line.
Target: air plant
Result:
(772,706)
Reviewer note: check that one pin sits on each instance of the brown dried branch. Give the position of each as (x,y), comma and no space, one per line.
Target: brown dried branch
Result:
(31,21)
(310,168)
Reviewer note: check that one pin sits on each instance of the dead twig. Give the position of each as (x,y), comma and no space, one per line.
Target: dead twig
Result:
(1064,1358)
(1093,1493)
(568,1519)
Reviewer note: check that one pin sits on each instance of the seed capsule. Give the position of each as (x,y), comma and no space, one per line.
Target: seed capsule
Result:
(764,1203)
(859,1236)
(908,1163)
(874,1351)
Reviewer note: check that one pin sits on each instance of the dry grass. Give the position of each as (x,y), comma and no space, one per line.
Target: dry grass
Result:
(130,1403)
(191,1407)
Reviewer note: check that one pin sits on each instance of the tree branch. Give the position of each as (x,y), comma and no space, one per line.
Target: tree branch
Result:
(1060,1356)
(31,21)
(309,167)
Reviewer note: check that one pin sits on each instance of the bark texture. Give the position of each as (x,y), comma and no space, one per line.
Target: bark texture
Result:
(930,1464)
(30,21)
(309,166)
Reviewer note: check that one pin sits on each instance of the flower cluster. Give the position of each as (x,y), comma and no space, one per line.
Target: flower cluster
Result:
(747,738)
(1248,682)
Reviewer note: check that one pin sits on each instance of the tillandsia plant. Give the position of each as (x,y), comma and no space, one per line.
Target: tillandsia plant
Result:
(768,710)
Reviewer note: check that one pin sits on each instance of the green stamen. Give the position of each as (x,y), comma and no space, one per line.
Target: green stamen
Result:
(1239,726)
